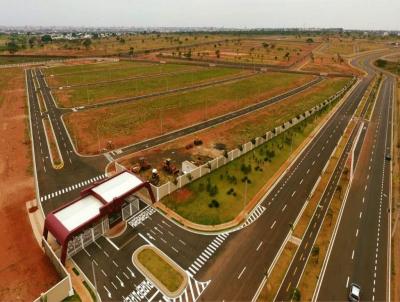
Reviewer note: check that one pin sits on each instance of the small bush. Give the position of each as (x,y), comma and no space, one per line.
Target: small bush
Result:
(201,187)
(213,204)
(246,169)
(213,190)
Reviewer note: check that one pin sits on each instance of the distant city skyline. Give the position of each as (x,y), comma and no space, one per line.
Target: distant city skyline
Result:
(348,14)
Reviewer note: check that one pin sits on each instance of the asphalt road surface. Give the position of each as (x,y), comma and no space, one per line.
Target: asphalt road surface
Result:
(55,187)
(361,246)
(239,260)
(229,266)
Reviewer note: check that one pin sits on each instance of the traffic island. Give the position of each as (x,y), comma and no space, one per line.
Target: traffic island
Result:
(165,274)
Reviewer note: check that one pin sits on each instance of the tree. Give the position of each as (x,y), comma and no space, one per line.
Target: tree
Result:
(12,47)
(310,40)
(131,51)
(287,55)
(315,252)
(218,53)
(46,39)
(87,43)
(339,189)
(330,214)
(32,41)
(296,294)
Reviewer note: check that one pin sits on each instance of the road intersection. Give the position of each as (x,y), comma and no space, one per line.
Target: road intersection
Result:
(242,257)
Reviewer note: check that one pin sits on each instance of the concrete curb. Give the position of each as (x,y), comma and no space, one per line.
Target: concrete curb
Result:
(153,278)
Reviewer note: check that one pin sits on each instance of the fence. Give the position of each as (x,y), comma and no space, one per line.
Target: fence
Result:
(180,181)
(38,63)
(63,288)
(87,237)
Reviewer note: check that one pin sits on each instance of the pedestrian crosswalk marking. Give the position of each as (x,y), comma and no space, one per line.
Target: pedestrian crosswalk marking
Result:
(257,212)
(141,216)
(207,253)
(71,188)
(192,292)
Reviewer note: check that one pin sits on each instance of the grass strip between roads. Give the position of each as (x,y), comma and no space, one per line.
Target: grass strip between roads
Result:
(276,276)
(314,264)
(160,269)
(301,226)
(373,96)
(395,269)
(52,144)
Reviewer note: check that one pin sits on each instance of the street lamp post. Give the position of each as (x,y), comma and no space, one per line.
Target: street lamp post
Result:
(94,276)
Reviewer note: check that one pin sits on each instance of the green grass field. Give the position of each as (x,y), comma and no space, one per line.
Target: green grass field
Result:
(227,185)
(179,110)
(393,67)
(92,73)
(79,96)
(160,269)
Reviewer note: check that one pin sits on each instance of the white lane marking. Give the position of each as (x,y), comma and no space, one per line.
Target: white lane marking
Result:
(272,226)
(283,209)
(258,247)
(241,273)
(347,282)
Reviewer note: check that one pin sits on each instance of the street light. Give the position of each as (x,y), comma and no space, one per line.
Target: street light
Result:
(94,276)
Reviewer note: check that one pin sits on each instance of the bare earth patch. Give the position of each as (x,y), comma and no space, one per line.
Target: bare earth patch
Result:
(25,271)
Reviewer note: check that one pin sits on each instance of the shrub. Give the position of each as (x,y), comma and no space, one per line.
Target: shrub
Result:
(213,204)
(213,190)
(230,191)
(246,169)
(201,187)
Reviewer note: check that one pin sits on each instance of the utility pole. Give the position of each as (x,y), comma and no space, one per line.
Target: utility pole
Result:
(94,276)
(245,193)
(98,137)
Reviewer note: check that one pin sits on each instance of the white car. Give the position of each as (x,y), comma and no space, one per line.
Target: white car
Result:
(354,294)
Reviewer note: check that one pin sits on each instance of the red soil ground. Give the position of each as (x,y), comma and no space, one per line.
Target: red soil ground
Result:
(325,63)
(239,131)
(83,124)
(25,271)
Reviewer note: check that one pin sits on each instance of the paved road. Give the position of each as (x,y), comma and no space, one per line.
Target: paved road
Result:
(248,254)
(240,260)
(297,266)
(76,169)
(360,249)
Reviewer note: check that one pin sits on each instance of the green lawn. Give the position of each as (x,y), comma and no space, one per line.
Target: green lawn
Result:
(96,94)
(160,269)
(391,66)
(220,196)
(92,73)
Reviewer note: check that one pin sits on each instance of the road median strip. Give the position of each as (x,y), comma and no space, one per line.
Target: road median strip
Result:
(169,278)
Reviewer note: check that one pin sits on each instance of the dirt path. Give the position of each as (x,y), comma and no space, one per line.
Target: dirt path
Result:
(25,271)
